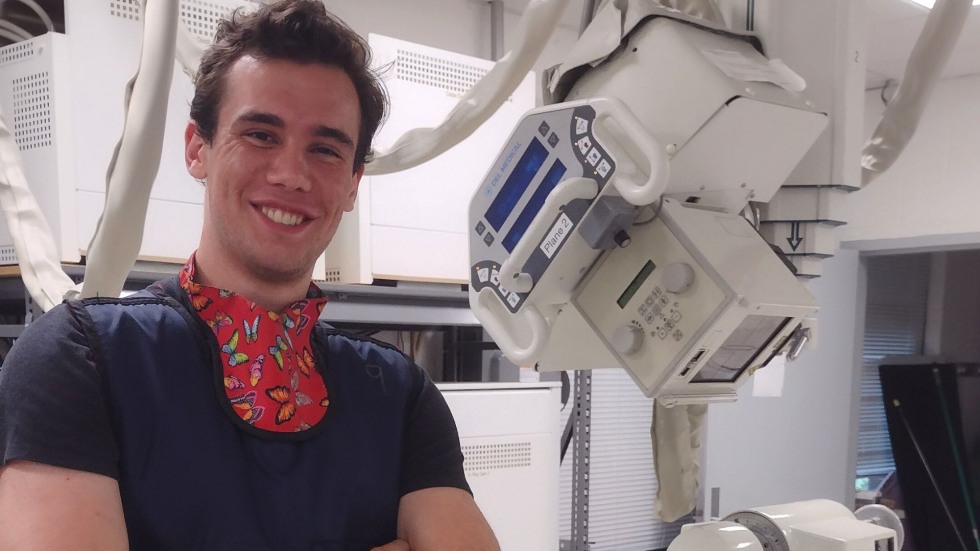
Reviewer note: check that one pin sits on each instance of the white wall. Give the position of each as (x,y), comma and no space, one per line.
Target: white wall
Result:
(930,196)
(765,451)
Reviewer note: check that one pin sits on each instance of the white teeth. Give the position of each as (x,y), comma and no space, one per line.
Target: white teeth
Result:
(281,217)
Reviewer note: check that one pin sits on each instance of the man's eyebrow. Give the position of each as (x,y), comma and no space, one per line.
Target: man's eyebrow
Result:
(276,121)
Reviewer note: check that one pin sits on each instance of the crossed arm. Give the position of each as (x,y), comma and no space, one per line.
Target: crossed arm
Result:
(44,507)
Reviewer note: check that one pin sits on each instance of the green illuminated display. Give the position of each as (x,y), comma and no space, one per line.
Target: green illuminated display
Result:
(634,285)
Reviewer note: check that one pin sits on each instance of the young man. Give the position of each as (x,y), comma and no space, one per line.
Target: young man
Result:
(211,411)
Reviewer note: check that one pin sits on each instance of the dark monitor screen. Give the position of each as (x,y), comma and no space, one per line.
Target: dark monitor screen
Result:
(933,414)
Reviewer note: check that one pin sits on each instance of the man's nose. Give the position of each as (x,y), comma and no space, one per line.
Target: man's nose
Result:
(290,168)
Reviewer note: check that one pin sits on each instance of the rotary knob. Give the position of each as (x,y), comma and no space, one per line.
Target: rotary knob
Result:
(627,340)
(678,277)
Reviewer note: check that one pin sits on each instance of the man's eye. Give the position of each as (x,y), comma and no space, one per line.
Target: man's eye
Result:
(260,136)
(324,150)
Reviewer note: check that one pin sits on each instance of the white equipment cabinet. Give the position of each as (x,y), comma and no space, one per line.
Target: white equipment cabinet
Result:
(69,127)
(509,435)
(412,225)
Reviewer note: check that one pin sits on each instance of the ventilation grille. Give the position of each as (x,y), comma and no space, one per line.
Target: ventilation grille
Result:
(32,111)
(453,76)
(332,276)
(16,52)
(202,18)
(199,16)
(125,9)
(481,458)
(8,255)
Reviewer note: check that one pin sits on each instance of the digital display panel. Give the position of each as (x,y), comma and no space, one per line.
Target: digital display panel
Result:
(634,285)
(515,186)
(534,205)
(740,349)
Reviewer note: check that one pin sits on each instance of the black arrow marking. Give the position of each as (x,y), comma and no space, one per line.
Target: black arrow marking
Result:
(794,238)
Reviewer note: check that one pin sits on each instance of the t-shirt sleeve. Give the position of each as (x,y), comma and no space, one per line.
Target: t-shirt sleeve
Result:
(433,457)
(52,406)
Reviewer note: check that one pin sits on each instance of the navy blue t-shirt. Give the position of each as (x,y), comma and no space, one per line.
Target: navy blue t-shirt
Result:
(128,389)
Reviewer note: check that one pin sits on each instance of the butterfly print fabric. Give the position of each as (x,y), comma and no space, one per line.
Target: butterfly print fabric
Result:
(269,374)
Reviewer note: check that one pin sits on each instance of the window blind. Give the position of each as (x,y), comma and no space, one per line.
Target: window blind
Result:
(895,318)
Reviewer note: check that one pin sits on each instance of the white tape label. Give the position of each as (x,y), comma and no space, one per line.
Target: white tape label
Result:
(557,235)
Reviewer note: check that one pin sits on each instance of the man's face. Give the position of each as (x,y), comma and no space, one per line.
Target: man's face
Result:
(279,171)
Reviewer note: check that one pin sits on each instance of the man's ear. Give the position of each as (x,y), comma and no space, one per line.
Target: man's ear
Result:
(195,152)
(352,196)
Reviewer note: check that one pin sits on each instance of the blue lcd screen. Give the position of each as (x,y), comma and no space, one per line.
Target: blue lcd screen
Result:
(516,184)
(533,206)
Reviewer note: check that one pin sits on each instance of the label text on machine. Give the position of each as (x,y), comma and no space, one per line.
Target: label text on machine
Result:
(557,235)
(503,168)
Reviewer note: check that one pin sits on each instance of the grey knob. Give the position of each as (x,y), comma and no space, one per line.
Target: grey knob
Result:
(678,277)
(627,340)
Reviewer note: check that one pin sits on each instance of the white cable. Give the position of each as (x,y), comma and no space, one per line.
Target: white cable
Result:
(15,29)
(899,121)
(482,100)
(40,13)
(189,51)
(10,36)
(134,164)
(37,253)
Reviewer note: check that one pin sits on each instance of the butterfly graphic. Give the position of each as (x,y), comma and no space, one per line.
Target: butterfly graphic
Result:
(287,408)
(255,371)
(324,402)
(230,347)
(233,383)
(305,361)
(294,380)
(220,320)
(302,320)
(246,408)
(251,331)
(225,293)
(319,307)
(200,302)
(303,399)
(277,349)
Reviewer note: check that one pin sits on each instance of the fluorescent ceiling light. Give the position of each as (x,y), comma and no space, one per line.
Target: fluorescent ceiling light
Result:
(929,3)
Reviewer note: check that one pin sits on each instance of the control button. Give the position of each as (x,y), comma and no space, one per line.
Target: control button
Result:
(513,299)
(627,339)
(668,325)
(656,309)
(657,291)
(649,301)
(480,228)
(581,126)
(503,291)
(495,276)
(488,239)
(643,309)
(483,274)
(603,168)
(593,156)
(584,145)
(678,335)
(663,301)
(553,139)
(649,317)
(544,128)
(676,316)
(662,334)
(678,277)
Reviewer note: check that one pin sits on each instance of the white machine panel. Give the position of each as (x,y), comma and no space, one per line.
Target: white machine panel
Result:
(36,101)
(694,305)
(412,225)
(509,436)
(85,74)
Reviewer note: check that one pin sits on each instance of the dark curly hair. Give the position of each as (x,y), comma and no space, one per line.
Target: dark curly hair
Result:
(295,30)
